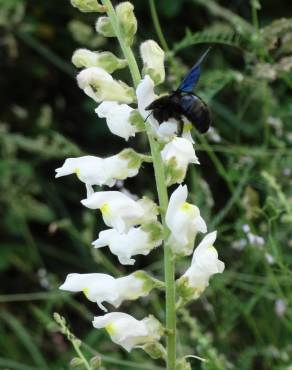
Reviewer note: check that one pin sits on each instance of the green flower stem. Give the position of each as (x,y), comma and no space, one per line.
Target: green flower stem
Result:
(157,25)
(76,345)
(169,263)
(127,51)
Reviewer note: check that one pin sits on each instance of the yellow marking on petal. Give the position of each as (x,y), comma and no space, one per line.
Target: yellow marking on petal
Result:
(110,328)
(187,127)
(186,207)
(86,292)
(105,209)
(212,248)
(77,171)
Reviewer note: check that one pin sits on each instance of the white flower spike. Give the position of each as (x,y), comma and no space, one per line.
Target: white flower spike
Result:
(177,155)
(101,288)
(128,332)
(117,118)
(138,240)
(205,263)
(99,85)
(184,221)
(102,171)
(119,210)
(153,61)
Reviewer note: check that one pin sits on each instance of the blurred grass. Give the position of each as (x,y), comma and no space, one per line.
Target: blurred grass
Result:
(244,179)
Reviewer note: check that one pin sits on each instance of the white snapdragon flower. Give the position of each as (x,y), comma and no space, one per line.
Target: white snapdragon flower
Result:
(184,221)
(153,61)
(117,118)
(101,288)
(205,263)
(128,332)
(102,171)
(138,240)
(119,210)
(99,85)
(177,155)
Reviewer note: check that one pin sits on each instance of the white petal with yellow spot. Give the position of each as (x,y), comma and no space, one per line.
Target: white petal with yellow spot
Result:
(101,288)
(118,210)
(128,332)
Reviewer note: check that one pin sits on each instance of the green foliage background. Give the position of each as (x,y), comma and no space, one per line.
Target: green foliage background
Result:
(244,179)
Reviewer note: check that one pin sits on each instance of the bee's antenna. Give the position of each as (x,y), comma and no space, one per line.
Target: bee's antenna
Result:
(147,116)
(203,56)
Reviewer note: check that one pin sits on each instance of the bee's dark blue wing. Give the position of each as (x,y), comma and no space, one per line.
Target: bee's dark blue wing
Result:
(189,82)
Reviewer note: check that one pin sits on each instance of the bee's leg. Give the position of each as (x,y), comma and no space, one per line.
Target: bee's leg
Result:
(180,127)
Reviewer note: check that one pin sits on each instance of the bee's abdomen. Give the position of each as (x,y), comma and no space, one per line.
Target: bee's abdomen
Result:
(196,111)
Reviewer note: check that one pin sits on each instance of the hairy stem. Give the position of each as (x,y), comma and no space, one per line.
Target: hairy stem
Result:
(76,346)
(169,264)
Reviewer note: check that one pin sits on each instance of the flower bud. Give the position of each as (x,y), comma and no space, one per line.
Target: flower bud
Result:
(127,20)
(87,6)
(95,362)
(104,27)
(76,362)
(182,364)
(153,60)
(99,85)
(106,60)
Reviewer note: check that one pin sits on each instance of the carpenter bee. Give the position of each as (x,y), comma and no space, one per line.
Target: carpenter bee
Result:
(184,103)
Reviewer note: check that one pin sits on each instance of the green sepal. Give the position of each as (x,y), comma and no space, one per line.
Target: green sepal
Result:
(154,229)
(137,120)
(173,174)
(134,159)
(155,350)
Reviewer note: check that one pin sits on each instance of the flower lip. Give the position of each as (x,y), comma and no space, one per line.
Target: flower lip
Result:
(184,221)
(121,211)
(134,242)
(118,118)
